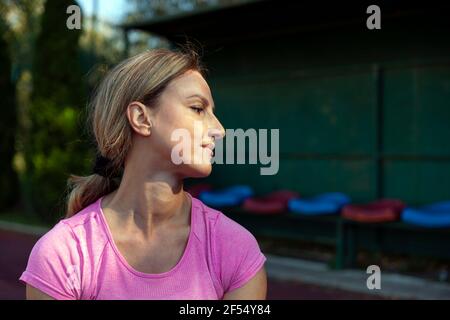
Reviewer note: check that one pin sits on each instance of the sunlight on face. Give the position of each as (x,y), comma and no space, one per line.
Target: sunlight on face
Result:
(187,104)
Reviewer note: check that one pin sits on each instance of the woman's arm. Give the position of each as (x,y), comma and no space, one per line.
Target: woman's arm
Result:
(254,289)
(35,294)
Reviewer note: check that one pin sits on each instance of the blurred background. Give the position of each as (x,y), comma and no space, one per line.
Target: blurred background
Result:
(364,120)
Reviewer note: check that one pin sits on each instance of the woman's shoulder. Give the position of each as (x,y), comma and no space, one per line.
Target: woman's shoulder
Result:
(59,236)
(61,256)
(73,234)
(223,227)
(85,217)
(236,252)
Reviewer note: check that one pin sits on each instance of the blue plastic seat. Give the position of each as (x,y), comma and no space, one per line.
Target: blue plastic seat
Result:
(228,197)
(325,203)
(436,215)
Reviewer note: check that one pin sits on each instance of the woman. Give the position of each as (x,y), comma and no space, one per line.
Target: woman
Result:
(131,231)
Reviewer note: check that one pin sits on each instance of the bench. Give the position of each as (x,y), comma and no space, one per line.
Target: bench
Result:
(348,237)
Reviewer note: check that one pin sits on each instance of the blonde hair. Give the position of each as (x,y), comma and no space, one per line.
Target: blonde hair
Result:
(139,78)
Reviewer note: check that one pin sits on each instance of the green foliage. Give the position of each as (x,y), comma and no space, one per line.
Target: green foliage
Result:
(8,123)
(56,70)
(59,146)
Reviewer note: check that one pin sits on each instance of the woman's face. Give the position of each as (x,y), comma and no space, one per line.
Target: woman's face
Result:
(183,128)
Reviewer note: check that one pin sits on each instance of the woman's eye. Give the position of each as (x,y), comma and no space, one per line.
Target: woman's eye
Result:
(197,109)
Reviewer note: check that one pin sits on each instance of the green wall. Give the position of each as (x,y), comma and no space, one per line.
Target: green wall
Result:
(337,113)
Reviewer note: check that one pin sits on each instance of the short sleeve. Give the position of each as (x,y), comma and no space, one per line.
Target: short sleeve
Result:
(54,264)
(238,256)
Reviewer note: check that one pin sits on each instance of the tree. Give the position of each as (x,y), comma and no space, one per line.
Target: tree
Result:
(146,9)
(56,71)
(8,123)
(22,26)
(58,144)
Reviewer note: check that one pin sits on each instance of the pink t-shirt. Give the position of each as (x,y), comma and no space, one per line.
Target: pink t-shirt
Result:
(77,259)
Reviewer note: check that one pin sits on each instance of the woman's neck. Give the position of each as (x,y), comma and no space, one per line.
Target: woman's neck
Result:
(149,201)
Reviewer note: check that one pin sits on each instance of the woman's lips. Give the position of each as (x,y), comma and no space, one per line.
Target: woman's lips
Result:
(209,151)
(209,148)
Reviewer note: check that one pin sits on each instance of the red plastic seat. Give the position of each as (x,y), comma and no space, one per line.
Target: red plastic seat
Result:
(272,203)
(384,210)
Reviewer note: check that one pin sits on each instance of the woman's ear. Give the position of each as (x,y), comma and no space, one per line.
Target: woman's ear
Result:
(139,117)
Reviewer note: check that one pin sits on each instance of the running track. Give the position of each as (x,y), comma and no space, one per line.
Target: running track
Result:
(15,248)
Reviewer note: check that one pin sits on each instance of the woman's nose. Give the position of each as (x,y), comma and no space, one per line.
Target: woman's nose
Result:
(216,131)
(216,134)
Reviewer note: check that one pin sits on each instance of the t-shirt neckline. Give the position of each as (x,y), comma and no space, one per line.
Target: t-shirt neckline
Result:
(125,262)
